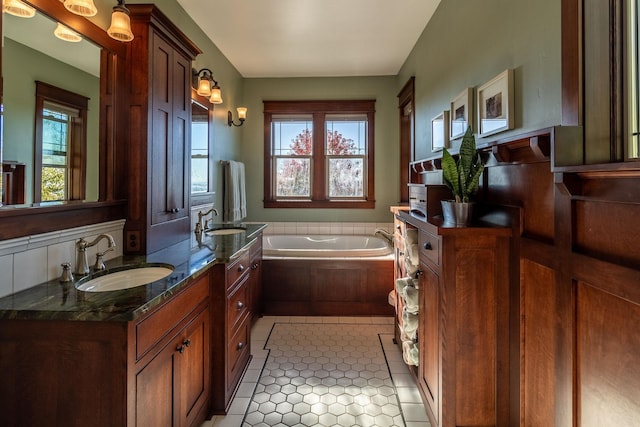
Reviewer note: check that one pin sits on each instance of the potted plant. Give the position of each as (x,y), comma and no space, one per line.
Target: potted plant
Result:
(463,178)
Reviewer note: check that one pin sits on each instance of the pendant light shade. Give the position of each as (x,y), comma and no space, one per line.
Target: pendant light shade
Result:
(18,8)
(66,34)
(216,95)
(120,28)
(81,7)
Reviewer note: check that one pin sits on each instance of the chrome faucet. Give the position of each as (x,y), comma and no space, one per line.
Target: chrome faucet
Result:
(82,264)
(385,234)
(199,228)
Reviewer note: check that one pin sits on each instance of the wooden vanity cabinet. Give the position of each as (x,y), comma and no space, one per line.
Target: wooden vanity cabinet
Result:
(463,332)
(154,371)
(231,314)
(155,163)
(255,278)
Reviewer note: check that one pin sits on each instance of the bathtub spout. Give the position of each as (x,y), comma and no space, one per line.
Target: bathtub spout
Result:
(385,234)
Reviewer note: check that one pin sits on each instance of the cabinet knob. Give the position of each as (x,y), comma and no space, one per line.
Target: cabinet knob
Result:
(187,342)
(428,246)
(240,267)
(254,266)
(174,210)
(180,348)
(240,345)
(240,305)
(398,226)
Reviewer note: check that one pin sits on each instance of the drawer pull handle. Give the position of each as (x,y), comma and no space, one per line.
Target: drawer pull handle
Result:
(240,345)
(240,267)
(240,305)
(427,246)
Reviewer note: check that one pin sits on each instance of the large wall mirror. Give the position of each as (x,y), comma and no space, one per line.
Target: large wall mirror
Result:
(32,57)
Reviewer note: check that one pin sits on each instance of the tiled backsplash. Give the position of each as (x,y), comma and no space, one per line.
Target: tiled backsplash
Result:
(28,261)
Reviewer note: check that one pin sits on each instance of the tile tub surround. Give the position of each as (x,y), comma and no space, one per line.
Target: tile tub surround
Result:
(349,228)
(259,385)
(30,260)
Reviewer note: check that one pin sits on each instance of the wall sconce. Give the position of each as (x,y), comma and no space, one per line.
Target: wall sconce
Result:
(18,8)
(120,28)
(81,7)
(66,34)
(203,80)
(242,116)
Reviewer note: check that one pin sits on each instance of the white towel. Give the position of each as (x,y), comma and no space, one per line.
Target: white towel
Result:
(410,353)
(413,253)
(410,324)
(410,297)
(234,197)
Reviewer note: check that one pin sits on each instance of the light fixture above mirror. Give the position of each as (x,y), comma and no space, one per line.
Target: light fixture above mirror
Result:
(18,8)
(203,80)
(120,28)
(81,7)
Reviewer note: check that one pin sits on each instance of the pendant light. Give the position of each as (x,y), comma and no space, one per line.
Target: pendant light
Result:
(120,28)
(66,34)
(18,8)
(81,7)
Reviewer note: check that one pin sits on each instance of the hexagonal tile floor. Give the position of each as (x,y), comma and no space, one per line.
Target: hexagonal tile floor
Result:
(324,375)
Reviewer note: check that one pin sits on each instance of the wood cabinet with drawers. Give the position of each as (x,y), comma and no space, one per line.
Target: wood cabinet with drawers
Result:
(152,371)
(463,323)
(233,292)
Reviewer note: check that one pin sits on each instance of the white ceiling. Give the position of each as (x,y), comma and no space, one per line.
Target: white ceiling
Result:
(313,38)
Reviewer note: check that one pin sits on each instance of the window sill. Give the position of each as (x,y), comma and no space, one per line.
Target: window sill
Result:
(320,204)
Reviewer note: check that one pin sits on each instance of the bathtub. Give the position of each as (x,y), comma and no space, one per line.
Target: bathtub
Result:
(325,246)
(326,275)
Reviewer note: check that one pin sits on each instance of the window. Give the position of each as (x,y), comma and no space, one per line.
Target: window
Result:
(61,132)
(201,149)
(319,154)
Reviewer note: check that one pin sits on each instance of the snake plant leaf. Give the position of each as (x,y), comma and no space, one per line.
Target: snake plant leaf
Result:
(450,172)
(468,154)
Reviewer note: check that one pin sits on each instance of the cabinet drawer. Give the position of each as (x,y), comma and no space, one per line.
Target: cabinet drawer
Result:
(161,322)
(429,247)
(237,268)
(237,305)
(238,351)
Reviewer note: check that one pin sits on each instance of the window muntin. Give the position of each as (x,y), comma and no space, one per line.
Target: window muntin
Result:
(319,154)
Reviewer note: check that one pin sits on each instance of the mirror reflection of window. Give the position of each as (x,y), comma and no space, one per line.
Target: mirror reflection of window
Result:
(633,80)
(199,149)
(61,134)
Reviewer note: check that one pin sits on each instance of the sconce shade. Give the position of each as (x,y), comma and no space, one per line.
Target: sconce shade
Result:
(18,8)
(81,7)
(66,34)
(204,85)
(216,95)
(120,28)
(242,113)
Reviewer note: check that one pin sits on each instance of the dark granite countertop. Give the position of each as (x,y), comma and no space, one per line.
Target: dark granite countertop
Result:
(62,301)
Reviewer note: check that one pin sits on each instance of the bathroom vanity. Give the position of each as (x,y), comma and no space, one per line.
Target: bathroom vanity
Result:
(144,356)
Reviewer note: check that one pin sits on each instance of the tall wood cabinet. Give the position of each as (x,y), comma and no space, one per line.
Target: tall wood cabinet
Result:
(463,327)
(155,162)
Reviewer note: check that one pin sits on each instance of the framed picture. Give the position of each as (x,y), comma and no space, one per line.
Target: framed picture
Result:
(461,114)
(495,104)
(439,131)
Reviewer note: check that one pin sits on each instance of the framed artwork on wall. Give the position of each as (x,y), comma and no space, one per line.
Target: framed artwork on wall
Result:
(439,131)
(495,104)
(461,114)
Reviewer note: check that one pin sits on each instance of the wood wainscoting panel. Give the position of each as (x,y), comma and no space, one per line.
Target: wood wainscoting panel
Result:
(608,371)
(538,296)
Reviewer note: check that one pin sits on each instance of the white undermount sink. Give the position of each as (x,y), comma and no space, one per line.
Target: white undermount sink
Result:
(125,279)
(225,231)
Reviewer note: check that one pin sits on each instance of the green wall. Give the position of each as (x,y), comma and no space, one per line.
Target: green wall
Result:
(382,89)
(22,66)
(468,42)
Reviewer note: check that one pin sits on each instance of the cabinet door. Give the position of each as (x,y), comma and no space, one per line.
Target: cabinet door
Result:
(194,368)
(154,390)
(170,138)
(429,338)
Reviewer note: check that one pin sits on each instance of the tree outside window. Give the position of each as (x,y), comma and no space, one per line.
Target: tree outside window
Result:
(320,154)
